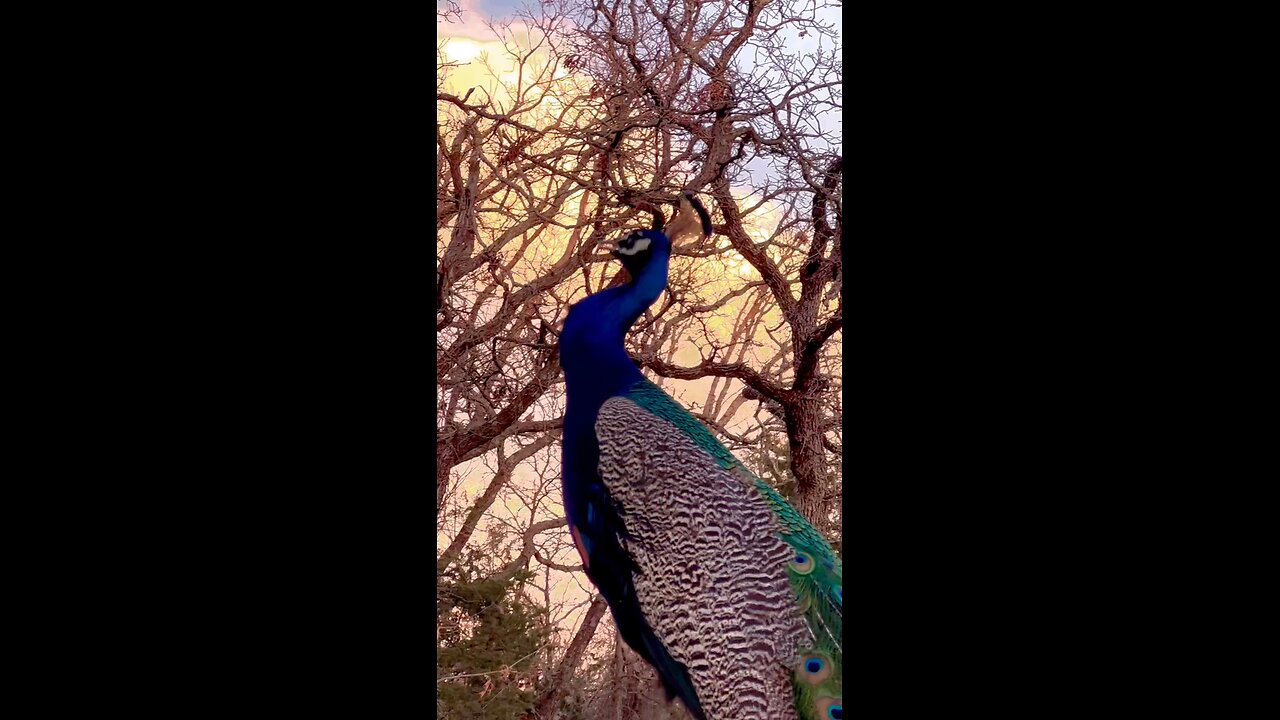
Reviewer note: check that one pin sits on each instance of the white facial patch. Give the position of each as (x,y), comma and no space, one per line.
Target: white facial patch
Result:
(641,244)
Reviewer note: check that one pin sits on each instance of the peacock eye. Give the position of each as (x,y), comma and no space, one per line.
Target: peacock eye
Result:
(801,563)
(831,708)
(815,669)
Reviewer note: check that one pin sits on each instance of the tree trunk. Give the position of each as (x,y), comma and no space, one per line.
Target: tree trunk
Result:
(546,707)
(804,434)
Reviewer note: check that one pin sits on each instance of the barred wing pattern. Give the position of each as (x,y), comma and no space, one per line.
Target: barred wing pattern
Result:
(712,577)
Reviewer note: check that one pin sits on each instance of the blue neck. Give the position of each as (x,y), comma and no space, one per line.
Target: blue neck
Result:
(596,365)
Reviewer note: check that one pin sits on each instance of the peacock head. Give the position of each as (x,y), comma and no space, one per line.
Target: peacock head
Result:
(640,247)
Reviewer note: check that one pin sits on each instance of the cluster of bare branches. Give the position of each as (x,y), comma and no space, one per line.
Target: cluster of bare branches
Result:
(581,119)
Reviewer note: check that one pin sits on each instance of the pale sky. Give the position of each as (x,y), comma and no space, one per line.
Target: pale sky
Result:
(475,12)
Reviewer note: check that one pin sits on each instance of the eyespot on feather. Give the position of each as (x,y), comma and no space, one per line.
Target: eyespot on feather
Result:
(814,668)
(802,563)
(830,708)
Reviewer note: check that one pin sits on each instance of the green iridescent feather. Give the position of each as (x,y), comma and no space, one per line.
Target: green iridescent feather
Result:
(815,571)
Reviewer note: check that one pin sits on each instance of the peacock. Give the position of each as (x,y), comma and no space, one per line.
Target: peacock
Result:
(712,576)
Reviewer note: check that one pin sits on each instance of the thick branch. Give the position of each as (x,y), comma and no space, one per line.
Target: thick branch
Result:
(753,379)
(520,428)
(807,364)
(526,552)
(555,565)
(546,707)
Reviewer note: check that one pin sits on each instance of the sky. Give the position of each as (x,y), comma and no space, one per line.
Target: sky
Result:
(475,12)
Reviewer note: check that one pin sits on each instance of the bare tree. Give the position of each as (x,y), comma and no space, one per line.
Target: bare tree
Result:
(676,79)
(584,119)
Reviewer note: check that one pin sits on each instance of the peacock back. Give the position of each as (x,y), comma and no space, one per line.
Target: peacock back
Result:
(737,587)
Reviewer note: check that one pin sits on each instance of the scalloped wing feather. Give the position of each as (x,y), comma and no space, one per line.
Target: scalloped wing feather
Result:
(712,576)
(814,571)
